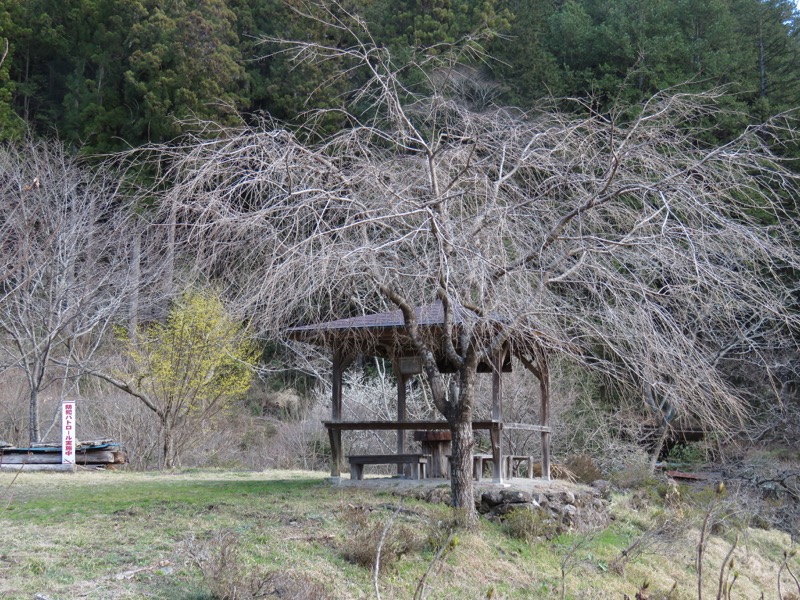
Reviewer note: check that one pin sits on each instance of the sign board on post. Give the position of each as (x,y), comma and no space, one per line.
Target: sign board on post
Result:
(68,440)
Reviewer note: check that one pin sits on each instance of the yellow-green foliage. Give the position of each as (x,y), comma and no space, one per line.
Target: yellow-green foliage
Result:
(197,361)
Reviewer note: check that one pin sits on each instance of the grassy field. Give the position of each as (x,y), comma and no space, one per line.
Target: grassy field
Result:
(202,535)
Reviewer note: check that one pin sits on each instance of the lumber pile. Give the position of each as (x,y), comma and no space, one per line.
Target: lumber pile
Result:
(95,454)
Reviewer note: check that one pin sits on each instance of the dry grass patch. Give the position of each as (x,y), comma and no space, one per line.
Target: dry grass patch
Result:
(206,534)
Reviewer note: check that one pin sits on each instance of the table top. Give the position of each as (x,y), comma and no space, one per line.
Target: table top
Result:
(407,425)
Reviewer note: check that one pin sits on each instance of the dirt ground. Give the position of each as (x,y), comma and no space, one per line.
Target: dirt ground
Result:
(413,486)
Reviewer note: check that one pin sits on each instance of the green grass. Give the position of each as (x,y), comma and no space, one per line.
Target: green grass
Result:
(145,535)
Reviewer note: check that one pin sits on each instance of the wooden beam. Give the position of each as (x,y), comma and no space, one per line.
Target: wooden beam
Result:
(50,458)
(406,425)
(544,416)
(497,414)
(539,367)
(526,427)
(335,437)
(61,468)
(340,363)
(401,416)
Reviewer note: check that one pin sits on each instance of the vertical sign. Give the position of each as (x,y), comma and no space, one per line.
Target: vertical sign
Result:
(68,432)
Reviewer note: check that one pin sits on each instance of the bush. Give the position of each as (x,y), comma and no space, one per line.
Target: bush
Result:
(686,454)
(584,469)
(527,525)
(634,472)
(229,578)
(364,537)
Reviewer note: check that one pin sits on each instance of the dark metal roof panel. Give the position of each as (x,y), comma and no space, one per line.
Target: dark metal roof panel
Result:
(431,314)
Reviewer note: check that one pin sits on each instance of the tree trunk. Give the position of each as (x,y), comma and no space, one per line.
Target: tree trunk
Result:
(168,448)
(662,436)
(461,468)
(33,416)
(460,419)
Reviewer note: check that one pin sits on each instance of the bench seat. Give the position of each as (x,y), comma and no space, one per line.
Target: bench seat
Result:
(417,462)
(514,461)
(510,464)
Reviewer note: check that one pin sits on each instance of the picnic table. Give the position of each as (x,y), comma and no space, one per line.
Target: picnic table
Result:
(335,429)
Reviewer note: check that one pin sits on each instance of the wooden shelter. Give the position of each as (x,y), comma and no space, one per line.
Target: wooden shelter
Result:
(384,335)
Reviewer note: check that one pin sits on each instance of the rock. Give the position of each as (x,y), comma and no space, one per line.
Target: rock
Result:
(492,497)
(569,514)
(516,497)
(602,487)
(540,499)
(568,497)
(439,495)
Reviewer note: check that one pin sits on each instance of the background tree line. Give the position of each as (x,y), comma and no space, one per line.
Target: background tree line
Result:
(110,74)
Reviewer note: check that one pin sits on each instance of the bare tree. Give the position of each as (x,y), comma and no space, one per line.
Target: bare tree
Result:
(64,235)
(622,241)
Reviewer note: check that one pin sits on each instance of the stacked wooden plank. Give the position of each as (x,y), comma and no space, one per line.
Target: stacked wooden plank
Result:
(96,454)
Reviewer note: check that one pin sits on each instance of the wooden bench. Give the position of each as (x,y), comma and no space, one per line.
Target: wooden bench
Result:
(510,462)
(478,462)
(417,463)
(513,462)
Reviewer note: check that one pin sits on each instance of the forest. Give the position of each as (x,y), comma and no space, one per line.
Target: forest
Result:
(106,75)
(609,186)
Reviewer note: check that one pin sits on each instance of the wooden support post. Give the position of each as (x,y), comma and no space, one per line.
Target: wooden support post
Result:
(340,363)
(544,412)
(497,415)
(539,367)
(336,388)
(401,416)
(496,435)
(335,437)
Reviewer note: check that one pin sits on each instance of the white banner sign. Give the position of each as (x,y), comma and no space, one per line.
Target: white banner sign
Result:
(68,441)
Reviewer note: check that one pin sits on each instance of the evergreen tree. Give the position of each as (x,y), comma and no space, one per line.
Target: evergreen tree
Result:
(523,62)
(184,63)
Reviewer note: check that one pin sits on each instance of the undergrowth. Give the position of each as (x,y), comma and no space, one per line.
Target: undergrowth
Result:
(244,536)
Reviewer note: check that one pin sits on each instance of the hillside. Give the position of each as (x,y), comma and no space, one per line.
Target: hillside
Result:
(289,534)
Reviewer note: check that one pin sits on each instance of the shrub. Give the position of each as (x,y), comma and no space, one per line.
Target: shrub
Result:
(634,472)
(584,468)
(364,537)
(526,524)
(229,578)
(686,454)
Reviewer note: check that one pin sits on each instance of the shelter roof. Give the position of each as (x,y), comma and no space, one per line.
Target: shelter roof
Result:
(383,334)
(428,315)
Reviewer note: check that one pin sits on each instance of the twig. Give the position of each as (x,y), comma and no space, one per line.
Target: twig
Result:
(789,570)
(787,554)
(419,593)
(380,547)
(723,591)
(8,487)
(701,546)
(565,562)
